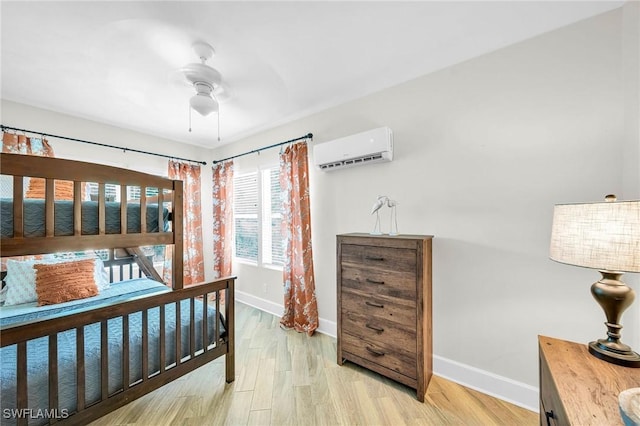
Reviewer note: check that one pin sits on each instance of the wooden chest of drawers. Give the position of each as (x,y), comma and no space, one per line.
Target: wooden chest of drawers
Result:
(384,306)
(577,388)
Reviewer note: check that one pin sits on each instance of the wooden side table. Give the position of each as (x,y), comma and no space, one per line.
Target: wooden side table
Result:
(577,388)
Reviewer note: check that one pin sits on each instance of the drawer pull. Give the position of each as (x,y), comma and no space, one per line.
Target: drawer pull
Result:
(370,281)
(376,258)
(374,352)
(549,415)
(373,327)
(375,305)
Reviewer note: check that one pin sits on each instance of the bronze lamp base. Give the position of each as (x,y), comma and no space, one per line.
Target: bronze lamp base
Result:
(614,297)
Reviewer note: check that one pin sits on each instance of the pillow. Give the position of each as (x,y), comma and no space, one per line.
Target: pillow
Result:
(101,275)
(21,278)
(63,282)
(63,189)
(21,282)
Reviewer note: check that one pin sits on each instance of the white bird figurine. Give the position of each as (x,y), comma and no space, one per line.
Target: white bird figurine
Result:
(380,202)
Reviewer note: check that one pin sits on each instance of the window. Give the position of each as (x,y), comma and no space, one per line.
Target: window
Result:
(245,211)
(258,217)
(112,192)
(272,241)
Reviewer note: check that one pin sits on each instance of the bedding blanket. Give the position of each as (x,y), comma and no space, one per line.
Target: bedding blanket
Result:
(34,218)
(37,350)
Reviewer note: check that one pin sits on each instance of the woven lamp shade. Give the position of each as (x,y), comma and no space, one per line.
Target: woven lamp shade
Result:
(602,236)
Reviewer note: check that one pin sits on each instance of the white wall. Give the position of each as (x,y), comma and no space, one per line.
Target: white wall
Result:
(27,117)
(484,149)
(631,150)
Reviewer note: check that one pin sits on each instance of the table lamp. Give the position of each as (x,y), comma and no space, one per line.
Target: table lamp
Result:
(603,236)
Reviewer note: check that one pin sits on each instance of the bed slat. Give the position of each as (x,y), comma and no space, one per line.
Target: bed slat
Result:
(192,327)
(80,378)
(101,209)
(22,399)
(18,217)
(178,243)
(217,323)
(53,371)
(178,334)
(104,360)
(160,203)
(205,323)
(77,208)
(39,245)
(125,352)
(123,209)
(49,211)
(163,355)
(143,210)
(145,345)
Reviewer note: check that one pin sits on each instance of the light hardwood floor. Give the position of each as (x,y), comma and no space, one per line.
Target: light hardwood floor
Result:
(288,378)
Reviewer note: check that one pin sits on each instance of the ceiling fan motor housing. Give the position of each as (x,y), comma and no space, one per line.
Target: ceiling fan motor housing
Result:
(204,79)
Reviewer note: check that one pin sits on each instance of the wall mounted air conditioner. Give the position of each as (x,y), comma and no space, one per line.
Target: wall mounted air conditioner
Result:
(368,147)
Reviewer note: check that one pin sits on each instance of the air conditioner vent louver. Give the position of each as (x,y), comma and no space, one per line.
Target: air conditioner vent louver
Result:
(363,148)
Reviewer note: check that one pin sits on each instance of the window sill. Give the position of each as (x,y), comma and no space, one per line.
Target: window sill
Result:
(273,267)
(257,265)
(244,261)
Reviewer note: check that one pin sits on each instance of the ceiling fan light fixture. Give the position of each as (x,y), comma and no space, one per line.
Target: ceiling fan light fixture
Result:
(203,104)
(205,80)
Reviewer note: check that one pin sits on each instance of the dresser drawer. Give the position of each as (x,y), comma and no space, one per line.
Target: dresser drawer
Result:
(380,331)
(399,311)
(379,258)
(383,354)
(393,284)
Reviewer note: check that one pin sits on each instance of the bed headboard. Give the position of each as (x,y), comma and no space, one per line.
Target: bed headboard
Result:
(91,224)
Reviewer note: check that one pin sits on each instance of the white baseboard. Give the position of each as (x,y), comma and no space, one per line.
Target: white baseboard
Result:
(324,326)
(259,303)
(500,387)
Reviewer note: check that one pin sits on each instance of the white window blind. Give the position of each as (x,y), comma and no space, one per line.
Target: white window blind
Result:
(258,217)
(272,241)
(245,207)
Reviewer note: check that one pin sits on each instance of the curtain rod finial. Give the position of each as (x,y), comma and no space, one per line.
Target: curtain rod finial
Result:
(310,136)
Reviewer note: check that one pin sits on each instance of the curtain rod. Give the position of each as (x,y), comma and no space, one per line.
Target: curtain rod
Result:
(307,136)
(3,127)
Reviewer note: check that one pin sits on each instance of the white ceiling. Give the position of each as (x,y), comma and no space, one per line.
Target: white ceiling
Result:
(115,62)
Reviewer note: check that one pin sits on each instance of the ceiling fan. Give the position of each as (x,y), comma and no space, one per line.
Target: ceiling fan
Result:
(206,81)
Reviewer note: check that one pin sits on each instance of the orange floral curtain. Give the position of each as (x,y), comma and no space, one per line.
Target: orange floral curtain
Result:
(193,260)
(300,305)
(21,144)
(222,218)
(13,143)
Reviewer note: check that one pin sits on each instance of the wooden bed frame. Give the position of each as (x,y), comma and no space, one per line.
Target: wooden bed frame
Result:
(221,290)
